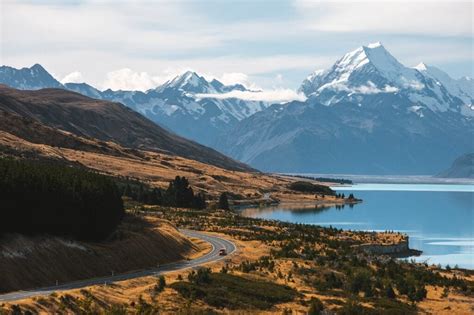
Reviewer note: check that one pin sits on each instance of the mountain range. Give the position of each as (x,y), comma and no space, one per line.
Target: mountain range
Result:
(367,114)
(175,105)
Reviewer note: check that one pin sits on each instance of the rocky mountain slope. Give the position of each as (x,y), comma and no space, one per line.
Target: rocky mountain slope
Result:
(367,114)
(462,167)
(33,78)
(107,121)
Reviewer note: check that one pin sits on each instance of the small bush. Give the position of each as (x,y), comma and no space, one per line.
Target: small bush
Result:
(315,307)
(160,286)
(234,292)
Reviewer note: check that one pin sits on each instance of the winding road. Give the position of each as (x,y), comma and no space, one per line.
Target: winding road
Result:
(217,243)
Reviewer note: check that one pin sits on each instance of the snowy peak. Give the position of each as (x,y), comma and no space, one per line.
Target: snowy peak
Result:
(374,45)
(462,88)
(375,54)
(193,83)
(190,82)
(381,58)
(369,73)
(361,69)
(421,67)
(37,68)
(373,58)
(189,78)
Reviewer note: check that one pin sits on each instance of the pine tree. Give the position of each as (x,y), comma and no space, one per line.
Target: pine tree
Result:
(389,292)
(223,202)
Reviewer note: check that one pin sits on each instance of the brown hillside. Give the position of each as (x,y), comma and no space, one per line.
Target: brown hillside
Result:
(105,121)
(155,168)
(139,243)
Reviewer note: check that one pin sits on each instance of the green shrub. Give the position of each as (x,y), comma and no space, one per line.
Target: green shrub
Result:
(234,292)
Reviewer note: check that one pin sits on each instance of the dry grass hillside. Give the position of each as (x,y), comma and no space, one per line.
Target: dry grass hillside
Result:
(139,243)
(157,169)
(263,256)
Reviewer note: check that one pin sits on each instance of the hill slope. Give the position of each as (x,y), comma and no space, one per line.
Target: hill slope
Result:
(106,121)
(139,243)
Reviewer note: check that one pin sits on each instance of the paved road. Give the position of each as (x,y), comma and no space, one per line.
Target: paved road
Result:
(216,242)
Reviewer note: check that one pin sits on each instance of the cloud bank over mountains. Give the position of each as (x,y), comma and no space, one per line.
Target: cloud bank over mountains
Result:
(157,39)
(128,80)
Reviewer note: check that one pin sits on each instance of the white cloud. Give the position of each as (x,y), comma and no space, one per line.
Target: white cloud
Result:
(98,37)
(73,77)
(277,96)
(384,16)
(370,88)
(234,78)
(127,79)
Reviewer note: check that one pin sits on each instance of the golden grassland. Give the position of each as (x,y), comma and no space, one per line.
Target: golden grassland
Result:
(284,272)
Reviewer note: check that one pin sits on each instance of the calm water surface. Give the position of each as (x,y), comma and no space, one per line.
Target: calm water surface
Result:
(438,218)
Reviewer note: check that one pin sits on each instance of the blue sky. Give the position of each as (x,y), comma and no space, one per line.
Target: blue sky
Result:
(266,44)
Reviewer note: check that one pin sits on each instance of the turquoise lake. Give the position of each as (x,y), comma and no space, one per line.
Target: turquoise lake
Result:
(439,218)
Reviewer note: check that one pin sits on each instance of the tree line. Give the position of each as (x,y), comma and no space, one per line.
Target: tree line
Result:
(307,187)
(178,194)
(38,197)
(45,198)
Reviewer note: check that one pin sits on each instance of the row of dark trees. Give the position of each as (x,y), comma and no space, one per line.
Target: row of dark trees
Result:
(46,198)
(38,198)
(308,187)
(178,194)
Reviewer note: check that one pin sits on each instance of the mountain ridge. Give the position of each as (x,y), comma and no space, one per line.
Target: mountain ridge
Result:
(107,121)
(173,104)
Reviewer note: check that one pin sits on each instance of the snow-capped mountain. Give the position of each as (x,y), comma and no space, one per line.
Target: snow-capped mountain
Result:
(369,114)
(33,78)
(189,88)
(179,105)
(370,72)
(184,104)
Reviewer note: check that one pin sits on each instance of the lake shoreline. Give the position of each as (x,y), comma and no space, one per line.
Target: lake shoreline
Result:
(417,210)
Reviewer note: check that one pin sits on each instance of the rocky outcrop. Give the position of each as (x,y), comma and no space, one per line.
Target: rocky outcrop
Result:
(400,249)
